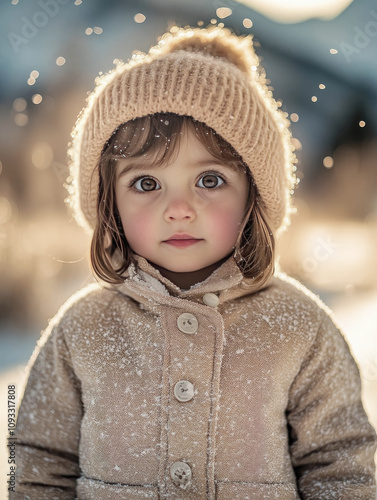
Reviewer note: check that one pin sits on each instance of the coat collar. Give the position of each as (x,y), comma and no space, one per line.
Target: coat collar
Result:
(145,284)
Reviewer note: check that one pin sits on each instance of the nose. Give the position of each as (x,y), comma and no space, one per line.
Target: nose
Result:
(179,209)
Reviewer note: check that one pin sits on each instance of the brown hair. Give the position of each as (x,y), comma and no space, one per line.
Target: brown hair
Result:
(157,137)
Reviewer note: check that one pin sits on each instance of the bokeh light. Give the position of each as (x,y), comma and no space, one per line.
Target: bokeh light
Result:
(21,119)
(139,18)
(5,210)
(60,61)
(296,143)
(36,99)
(223,12)
(328,162)
(20,104)
(294,11)
(247,23)
(42,155)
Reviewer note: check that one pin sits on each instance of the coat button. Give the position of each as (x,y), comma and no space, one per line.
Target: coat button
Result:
(187,323)
(181,474)
(211,300)
(184,391)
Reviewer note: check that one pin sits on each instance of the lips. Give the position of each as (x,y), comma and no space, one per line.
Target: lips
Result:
(182,240)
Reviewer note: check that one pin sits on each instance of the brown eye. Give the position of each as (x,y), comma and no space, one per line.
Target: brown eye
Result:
(210,181)
(146,184)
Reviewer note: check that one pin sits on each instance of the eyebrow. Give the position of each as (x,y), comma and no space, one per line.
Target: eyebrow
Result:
(203,163)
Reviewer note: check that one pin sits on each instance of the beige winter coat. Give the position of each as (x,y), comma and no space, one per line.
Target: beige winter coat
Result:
(273,405)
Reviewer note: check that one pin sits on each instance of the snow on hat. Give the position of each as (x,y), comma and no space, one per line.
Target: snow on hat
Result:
(209,74)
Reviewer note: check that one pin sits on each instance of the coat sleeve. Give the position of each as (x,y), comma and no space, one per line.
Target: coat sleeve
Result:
(48,425)
(332,443)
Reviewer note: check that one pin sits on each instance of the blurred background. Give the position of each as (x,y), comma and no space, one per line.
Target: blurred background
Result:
(321,59)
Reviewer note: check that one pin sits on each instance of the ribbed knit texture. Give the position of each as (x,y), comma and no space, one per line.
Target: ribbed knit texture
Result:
(209,74)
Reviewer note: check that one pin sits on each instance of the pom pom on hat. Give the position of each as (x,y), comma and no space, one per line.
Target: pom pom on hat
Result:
(209,74)
(215,41)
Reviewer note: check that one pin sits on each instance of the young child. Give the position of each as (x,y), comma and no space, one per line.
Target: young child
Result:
(192,370)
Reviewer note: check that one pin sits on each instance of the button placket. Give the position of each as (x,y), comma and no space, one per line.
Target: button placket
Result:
(183,389)
(192,343)
(180,472)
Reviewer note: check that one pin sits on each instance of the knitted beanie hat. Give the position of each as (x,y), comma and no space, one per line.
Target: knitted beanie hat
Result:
(209,74)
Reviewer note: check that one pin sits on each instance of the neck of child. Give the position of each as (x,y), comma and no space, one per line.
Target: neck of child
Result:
(185,280)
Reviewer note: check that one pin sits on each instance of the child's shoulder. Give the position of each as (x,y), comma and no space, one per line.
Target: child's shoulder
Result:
(290,294)
(287,305)
(89,305)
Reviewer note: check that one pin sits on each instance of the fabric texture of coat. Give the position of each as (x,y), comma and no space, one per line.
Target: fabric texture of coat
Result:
(142,390)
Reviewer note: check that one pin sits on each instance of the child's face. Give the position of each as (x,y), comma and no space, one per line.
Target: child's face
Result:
(194,198)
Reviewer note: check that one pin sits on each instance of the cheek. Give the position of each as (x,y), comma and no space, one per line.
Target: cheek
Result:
(137,224)
(224,223)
